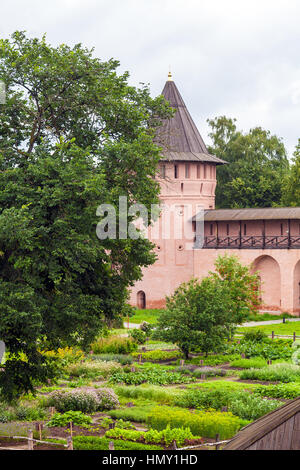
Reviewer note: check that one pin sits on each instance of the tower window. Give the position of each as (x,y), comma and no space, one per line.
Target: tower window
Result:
(187,170)
(163,171)
(227,229)
(198,171)
(211,229)
(175,171)
(205,168)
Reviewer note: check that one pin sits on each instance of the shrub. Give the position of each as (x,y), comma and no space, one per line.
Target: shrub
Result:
(93,369)
(250,407)
(29,413)
(149,392)
(86,401)
(274,373)
(22,413)
(137,414)
(158,355)
(146,327)
(114,345)
(296,352)
(201,423)
(107,399)
(215,359)
(287,390)
(65,355)
(76,417)
(101,443)
(122,359)
(269,349)
(203,399)
(152,376)
(255,335)
(255,362)
(138,336)
(166,436)
(208,372)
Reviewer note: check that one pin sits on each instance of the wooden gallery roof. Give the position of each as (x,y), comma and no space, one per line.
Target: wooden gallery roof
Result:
(268,213)
(278,430)
(179,135)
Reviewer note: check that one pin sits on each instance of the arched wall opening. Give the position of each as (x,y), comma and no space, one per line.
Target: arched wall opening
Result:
(141,299)
(268,270)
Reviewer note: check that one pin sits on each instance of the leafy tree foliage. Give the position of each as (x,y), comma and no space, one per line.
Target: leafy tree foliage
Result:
(291,186)
(73,135)
(257,163)
(201,315)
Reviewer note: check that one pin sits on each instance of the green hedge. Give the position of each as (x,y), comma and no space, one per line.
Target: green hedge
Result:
(201,423)
(158,355)
(101,443)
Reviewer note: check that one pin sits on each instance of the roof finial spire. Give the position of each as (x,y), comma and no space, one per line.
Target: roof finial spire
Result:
(170,75)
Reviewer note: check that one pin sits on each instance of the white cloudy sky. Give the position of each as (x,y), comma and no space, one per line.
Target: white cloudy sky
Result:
(240,58)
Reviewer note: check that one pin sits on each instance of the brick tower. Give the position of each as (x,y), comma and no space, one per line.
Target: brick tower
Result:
(187,177)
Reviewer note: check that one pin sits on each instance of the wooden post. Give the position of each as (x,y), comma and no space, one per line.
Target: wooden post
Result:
(39,428)
(217,440)
(140,359)
(273,334)
(182,362)
(71,428)
(30,441)
(294,336)
(69,443)
(283,320)
(174,445)
(111,446)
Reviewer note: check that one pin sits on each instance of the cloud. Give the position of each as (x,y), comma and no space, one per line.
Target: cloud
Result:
(238,58)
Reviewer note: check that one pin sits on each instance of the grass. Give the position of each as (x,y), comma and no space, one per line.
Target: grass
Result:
(287,328)
(268,316)
(226,385)
(141,315)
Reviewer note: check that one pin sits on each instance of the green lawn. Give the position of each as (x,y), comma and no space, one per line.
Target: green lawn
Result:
(149,316)
(287,328)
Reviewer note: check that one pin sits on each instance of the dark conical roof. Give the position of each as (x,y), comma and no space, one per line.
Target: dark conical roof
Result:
(179,135)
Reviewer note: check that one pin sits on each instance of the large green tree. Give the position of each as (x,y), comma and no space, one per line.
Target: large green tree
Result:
(73,135)
(291,182)
(257,163)
(202,314)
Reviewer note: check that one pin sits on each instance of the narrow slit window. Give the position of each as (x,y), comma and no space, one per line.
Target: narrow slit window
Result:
(245,229)
(198,171)
(227,229)
(175,171)
(211,229)
(187,170)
